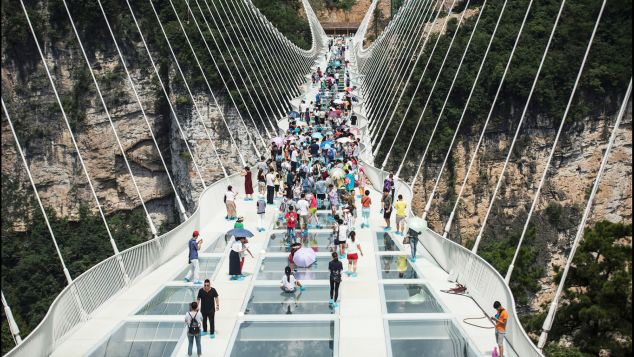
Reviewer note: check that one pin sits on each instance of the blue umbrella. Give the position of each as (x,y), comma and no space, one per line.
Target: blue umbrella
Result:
(317,135)
(240,232)
(293,114)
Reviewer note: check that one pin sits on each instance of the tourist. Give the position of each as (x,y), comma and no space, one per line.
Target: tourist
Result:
(387,209)
(413,243)
(261,211)
(291,255)
(230,203)
(401,213)
(289,283)
(353,249)
(291,223)
(321,190)
(366,202)
(209,303)
(248,184)
(500,320)
(335,267)
(388,185)
(237,249)
(193,323)
(342,236)
(276,186)
(312,210)
(261,181)
(194,265)
(333,198)
(270,187)
(302,209)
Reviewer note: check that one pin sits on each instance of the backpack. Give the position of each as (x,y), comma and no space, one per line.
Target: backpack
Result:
(194,326)
(336,276)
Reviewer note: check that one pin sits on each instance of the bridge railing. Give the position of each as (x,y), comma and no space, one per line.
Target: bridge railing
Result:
(79,300)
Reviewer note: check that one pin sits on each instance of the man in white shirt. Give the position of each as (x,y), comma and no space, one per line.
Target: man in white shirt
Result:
(270,187)
(302,210)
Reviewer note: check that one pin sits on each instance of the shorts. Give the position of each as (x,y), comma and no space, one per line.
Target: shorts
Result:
(365,212)
(303,219)
(387,214)
(499,337)
(312,210)
(353,256)
(321,196)
(399,219)
(286,290)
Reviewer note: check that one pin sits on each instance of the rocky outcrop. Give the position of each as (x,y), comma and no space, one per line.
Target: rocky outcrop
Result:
(55,164)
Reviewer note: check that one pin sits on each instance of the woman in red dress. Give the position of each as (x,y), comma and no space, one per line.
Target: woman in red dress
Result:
(248,184)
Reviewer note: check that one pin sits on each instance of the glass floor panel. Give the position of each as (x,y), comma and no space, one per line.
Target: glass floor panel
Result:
(272,300)
(273,269)
(171,300)
(220,244)
(428,338)
(410,298)
(385,242)
(141,339)
(396,267)
(319,242)
(326,220)
(208,266)
(285,339)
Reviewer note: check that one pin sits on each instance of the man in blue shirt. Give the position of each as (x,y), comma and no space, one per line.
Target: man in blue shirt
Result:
(194,266)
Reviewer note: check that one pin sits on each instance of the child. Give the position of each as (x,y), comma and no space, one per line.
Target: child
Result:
(353,248)
(291,223)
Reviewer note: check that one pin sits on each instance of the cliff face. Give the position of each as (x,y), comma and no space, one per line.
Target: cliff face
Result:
(563,196)
(54,162)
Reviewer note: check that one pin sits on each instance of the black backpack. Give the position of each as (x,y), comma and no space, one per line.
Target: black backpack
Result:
(194,326)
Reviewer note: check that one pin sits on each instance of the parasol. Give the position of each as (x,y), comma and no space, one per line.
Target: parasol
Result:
(417,224)
(337,173)
(304,257)
(240,232)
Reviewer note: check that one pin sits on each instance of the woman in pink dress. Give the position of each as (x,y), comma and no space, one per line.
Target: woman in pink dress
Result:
(248,184)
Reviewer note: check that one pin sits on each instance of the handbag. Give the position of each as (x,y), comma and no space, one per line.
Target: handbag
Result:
(406,240)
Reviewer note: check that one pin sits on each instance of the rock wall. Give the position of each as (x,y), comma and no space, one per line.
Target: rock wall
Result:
(55,164)
(568,185)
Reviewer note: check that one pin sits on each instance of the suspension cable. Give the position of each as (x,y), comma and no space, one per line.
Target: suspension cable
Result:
(13,327)
(550,318)
(554,147)
(208,85)
(167,98)
(431,92)
(179,202)
(521,121)
(81,160)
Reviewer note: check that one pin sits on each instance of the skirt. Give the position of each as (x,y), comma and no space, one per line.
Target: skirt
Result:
(234,263)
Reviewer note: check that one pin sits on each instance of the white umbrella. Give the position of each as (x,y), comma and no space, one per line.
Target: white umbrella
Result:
(304,257)
(337,173)
(344,140)
(417,224)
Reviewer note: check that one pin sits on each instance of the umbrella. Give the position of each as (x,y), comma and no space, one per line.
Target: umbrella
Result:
(337,173)
(417,224)
(345,139)
(304,257)
(348,89)
(354,131)
(317,135)
(278,140)
(301,123)
(293,114)
(240,232)
(338,101)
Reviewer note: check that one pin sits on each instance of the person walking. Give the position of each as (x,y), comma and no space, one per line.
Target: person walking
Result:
(387,208)
(303,207)
(361,177)
(193,320)
(291,223)
(413,243)
(194,265)
(261,181)
(312,210)
(270,187)
(342,236)
(289,282)
(248,183)
(366,202)
(260,206)
(500,320)
(353,249)
(401,213)
(230,203)
(209,303)
(335,267)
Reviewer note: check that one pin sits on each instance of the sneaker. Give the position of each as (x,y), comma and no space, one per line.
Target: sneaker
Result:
(186,280)
(240,277)
(233,277)
(204,333)
(318,226)
(348,272)
(354,275)
(387,228)
(335,305)
(331,302)
(212,335)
